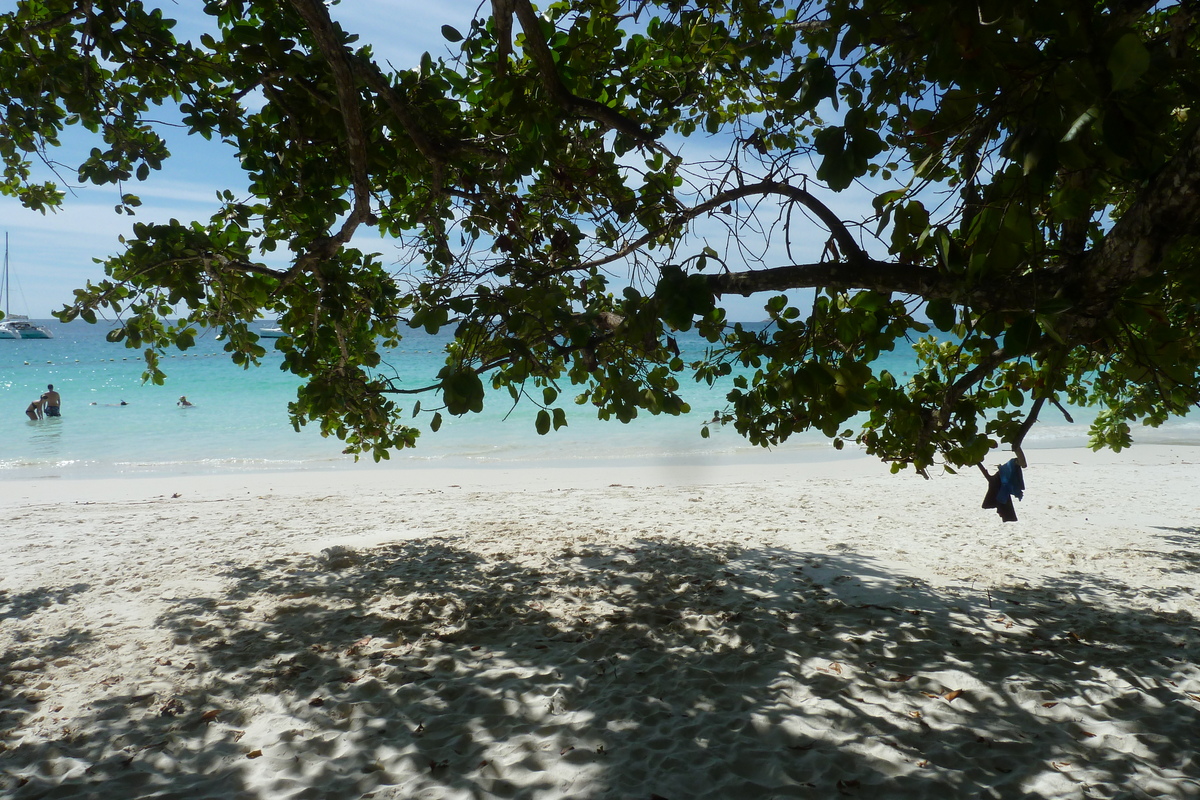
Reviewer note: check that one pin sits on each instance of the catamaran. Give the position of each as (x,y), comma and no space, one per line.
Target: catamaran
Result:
(18,326)
(271,331)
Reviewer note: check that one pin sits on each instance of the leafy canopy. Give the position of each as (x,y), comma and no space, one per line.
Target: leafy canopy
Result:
(582,180)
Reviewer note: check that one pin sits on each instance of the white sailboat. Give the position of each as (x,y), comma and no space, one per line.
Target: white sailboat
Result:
(18,326)
(271,331)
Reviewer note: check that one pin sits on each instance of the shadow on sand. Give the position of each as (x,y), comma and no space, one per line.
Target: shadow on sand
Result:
(656,670)
(1186,556)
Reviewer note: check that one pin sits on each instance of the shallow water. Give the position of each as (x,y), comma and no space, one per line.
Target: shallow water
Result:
(239,418)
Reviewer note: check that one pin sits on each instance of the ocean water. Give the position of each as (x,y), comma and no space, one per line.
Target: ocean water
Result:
(239,418)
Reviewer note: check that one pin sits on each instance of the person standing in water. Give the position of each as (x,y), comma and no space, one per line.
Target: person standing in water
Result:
(51,402)
(183,401)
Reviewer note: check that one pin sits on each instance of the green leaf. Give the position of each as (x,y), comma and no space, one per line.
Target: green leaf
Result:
(1081,122)
(790,85)
(941,313)
(451,34)
(1120,135)
(1128,61)
(885,199)
(463,392)
(1022,336)
(1071,202)
(543,422)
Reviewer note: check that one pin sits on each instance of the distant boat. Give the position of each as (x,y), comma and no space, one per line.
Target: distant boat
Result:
(18,326)
(272,332)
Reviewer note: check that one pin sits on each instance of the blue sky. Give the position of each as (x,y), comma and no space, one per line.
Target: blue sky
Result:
(51,255)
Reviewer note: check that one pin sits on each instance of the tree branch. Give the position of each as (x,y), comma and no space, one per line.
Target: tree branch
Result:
(316,18)
(242,266)
(400,109)
(954,392)
(437,151)
(1026,426)
(880,276)
(539,50)
(502,14)
(1166,211)
(977,373)
(846,241)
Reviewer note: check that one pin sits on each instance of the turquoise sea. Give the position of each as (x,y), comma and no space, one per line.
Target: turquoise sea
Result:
(239,418)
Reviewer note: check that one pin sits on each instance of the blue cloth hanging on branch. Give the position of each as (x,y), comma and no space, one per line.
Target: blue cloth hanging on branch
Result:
(1005,484)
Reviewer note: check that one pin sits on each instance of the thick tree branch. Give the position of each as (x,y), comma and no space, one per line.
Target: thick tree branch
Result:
(238,265)
(880,276)
(502,14)
(316,18)
(1165,212)
(56,22)
(808,25)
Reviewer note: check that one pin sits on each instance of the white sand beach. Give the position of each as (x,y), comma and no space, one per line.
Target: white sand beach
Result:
(805,630)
